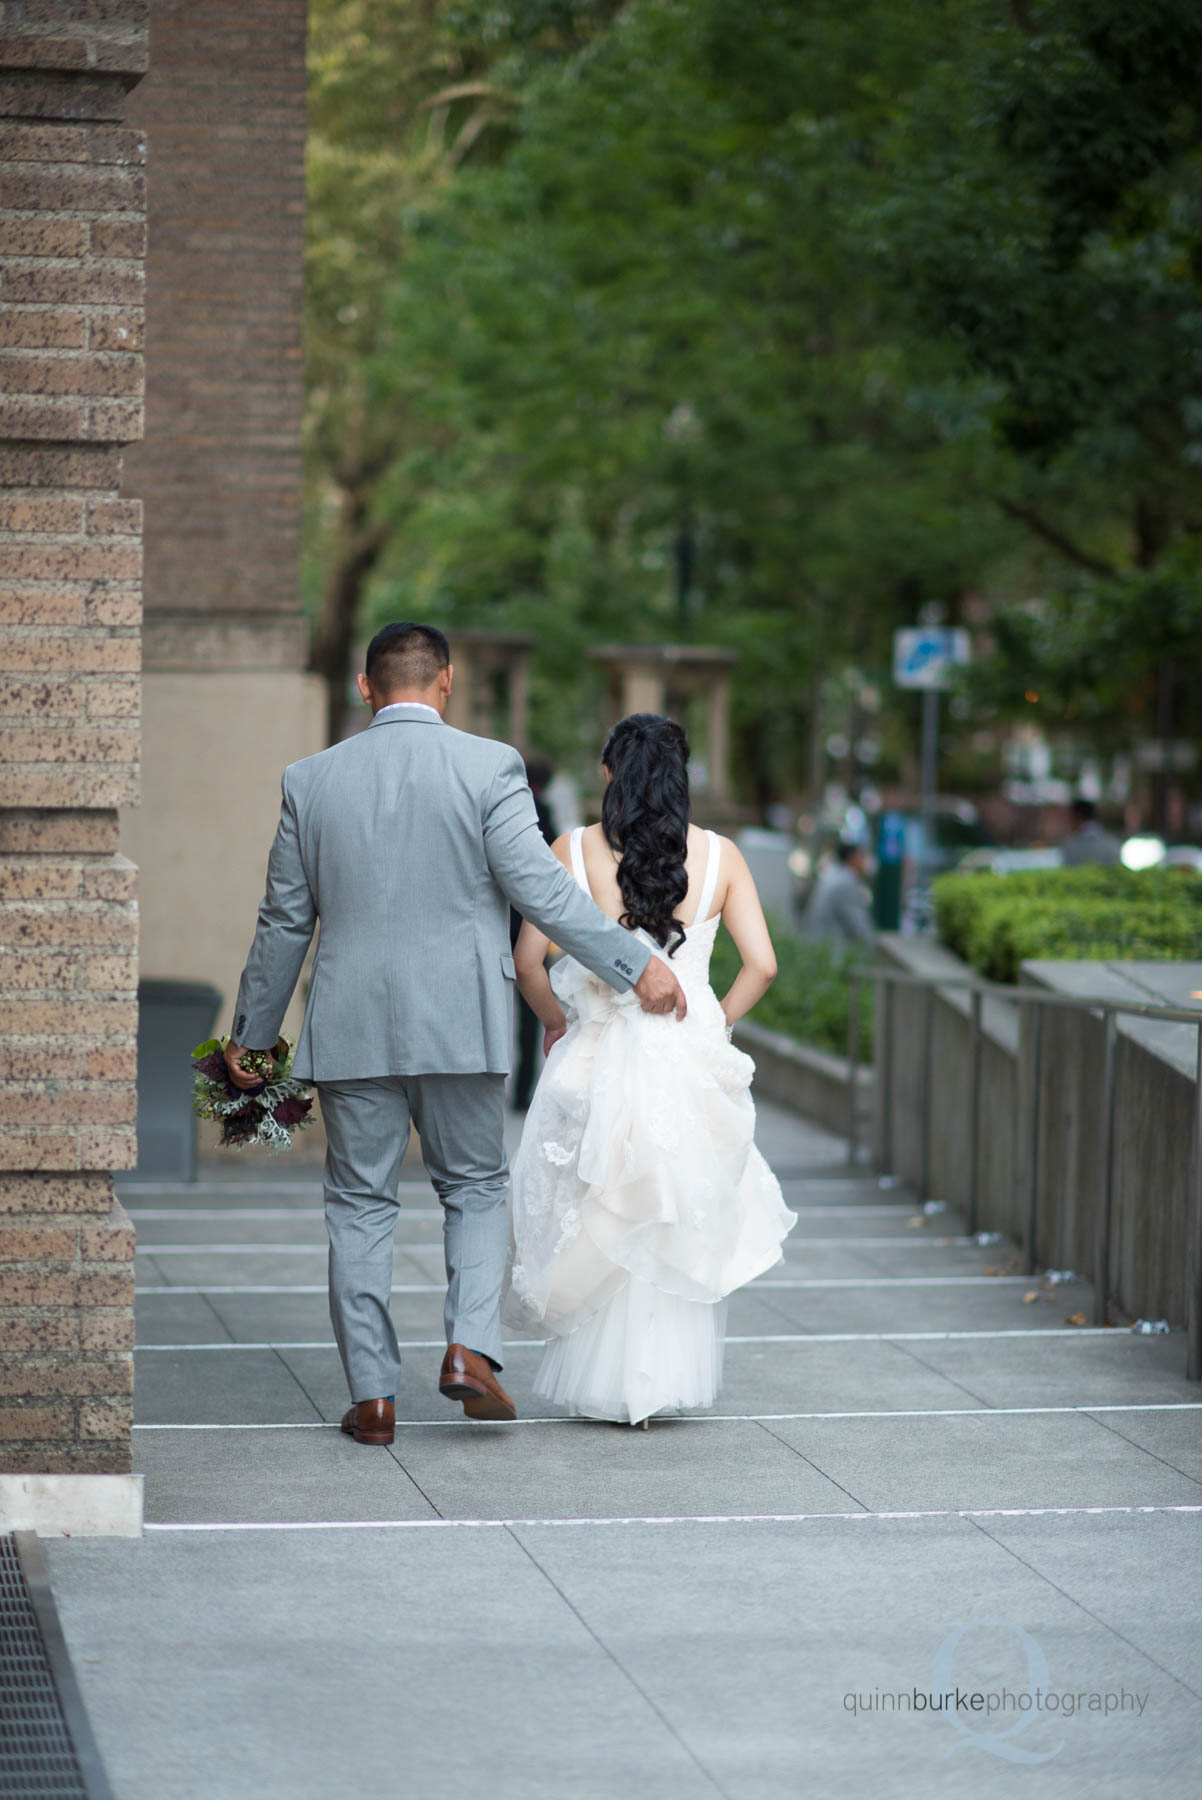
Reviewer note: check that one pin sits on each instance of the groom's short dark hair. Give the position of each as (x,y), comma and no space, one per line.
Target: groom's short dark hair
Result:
(406,656)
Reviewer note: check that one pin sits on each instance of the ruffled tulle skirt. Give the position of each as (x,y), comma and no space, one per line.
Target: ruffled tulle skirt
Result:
(645,1351)
(639,1201)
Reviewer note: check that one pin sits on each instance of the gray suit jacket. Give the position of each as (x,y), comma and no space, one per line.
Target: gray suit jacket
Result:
(838,908)
(1090,844)
(408,843)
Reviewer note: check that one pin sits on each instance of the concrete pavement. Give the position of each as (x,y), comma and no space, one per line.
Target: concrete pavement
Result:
(915,1482)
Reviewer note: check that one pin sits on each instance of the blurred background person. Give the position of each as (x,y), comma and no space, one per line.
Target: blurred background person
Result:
(538,773)
(1088,841)
(839,908)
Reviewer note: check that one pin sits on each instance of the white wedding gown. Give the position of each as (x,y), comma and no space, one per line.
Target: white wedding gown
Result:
(639,1198)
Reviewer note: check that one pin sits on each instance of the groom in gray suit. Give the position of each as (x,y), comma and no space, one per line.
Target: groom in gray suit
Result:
(408,843)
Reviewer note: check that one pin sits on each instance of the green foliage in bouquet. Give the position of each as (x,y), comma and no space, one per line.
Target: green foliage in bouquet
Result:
(266,1115)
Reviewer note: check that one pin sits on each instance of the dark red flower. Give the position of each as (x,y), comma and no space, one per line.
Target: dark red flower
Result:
(237,1127)
(290,1111)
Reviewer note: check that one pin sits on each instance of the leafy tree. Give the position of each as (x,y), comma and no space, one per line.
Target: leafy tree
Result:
(1046,222)
(669,404)
(764,324)
(399,102)
(405,96)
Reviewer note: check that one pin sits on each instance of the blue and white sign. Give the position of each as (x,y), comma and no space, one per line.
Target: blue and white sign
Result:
(925,656)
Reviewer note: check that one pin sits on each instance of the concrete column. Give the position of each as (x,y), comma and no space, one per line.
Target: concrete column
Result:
(642,689)
(519,703)
(717,734)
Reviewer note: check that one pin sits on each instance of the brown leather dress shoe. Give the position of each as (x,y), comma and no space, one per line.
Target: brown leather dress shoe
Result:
(468,1377)
(371,1422)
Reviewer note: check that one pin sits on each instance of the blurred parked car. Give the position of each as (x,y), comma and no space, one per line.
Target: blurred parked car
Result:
(932,848)
(769,856)
(1183,856)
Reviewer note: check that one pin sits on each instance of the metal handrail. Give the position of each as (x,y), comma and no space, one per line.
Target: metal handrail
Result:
(1110,1008)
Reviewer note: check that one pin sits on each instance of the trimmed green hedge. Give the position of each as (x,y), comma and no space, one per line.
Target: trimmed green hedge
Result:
(995,922)
(809,998)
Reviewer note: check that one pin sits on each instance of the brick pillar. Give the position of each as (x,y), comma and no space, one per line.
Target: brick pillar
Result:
(72,230)
(220,474)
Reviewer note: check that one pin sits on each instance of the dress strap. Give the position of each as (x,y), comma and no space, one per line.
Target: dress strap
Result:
(576,843)
(710,882)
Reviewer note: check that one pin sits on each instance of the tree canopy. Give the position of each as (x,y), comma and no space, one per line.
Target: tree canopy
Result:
(765,325)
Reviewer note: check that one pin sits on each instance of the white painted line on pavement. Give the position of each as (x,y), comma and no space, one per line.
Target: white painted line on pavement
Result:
(213,1214)
(211,1189)
(226,1212)
(892,1281)
(887,1211)
(831,1281)
(962,1512)
(282,1248)
(301,1344)
(434,1246)
(1066,1335)
(899,1412)
(301,1288)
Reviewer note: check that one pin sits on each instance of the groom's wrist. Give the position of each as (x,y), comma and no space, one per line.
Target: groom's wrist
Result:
(634,965)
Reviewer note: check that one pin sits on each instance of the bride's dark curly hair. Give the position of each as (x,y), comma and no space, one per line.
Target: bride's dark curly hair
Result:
(645,818)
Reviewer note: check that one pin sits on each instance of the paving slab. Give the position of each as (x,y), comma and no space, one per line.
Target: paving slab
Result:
(1138,1574)
(185,1197)
(280,1266)
(584,1469)
(868,1375)
(1116,1368)
(283,1475)
(758,1378)
(293,1581)
(277,1265)
(292,1666)
(1174,1437)
(305,1318)
(850,1224)
(900,1305)
(200,1229)
(166,1318)
(985,1458)
(250,1387)
(755,1671)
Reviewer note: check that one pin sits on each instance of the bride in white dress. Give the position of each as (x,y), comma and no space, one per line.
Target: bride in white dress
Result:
(640,1200)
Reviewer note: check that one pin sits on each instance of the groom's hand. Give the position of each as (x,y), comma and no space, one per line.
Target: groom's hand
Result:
(241,1078)
(659,991)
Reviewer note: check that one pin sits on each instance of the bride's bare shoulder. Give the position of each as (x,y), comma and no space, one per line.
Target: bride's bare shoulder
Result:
(595,844)
(562,848)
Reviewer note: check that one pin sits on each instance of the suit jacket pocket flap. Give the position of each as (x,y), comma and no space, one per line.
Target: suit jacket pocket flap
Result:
(507,967)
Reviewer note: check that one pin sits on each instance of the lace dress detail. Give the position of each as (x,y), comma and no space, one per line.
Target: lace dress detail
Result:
(639,1200)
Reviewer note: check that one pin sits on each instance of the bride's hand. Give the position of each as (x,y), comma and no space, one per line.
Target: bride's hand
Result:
(553,1033)
(659,991)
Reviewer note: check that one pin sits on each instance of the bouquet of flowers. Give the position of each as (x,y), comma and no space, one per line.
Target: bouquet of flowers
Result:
(268,1114)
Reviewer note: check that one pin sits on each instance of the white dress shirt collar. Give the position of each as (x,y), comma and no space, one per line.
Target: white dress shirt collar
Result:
(396,707)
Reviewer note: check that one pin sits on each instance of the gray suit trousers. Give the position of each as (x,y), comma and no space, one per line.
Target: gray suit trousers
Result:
(460,1120)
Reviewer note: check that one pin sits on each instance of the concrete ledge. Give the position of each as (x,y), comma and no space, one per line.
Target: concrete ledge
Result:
(1150,1202)
(807,1081)
(72,1505)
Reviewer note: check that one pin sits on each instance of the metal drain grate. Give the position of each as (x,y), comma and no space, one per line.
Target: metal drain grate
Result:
(41,1716)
